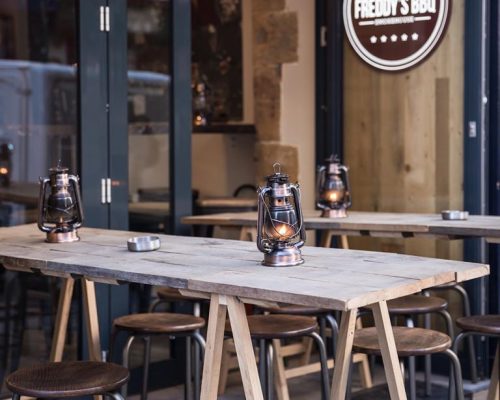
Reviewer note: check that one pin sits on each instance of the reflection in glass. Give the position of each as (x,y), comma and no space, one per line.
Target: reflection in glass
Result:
(149,44)
(37,99)
(38,127)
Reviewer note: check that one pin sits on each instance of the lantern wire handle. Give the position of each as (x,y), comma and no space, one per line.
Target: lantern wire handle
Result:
(297,232)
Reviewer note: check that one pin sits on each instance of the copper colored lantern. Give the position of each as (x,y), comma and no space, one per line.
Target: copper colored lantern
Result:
(60,208)
(332,189)
(280,228)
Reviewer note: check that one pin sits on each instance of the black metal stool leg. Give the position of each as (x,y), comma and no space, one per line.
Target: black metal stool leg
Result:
(269,370)
(335,331)
(115,395)
(458,339)
(412,378)
(199,345)
(325,381)
(145,373)
(470,340)
(125,361)
(188,387)
(262,362)
(456,372)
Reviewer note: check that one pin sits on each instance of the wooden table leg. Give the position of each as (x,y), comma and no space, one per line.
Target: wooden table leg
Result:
(213,348)
(388,350)
(61,327)
(343,354)
(91,319)
(493,390)
(244,349)
(326,240)
(248,233)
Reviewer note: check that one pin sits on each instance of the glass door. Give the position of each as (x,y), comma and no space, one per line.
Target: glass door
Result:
(149,128)
(38,130)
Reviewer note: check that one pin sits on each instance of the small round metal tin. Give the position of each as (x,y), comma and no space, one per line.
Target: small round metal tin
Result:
(143,243)
(455,215)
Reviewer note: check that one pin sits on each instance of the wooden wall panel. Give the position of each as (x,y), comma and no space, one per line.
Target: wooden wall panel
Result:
(403,138)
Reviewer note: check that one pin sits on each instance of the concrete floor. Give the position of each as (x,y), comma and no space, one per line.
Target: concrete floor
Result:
(302,388)
(308,388)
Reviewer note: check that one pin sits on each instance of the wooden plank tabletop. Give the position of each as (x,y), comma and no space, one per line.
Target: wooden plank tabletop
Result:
(330,278)
(372,223)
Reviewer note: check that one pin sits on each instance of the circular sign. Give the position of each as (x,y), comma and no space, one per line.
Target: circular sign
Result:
(395,35)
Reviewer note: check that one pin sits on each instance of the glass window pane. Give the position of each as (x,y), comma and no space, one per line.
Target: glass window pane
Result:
(149,44)
(38,129)
(38,100)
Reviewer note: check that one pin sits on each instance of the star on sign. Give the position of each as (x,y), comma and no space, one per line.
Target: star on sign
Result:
(414,36)
(383,38)
(373,39)
(394,38)
(404,37)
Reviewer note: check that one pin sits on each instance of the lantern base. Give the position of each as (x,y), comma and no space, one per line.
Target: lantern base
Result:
(334,213)
(62,237)
(286,257)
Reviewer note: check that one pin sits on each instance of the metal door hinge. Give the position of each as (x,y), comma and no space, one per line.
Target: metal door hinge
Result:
(322,36)
(104,19)
(106,191)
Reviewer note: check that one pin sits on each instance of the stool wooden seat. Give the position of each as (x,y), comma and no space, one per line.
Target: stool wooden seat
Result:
(276,326)
(144,325)
(412,342)
(409,341)
(67,379)
(158,323)
(269,329)
(484,325)
(171,294)
(416,304)
(487,324)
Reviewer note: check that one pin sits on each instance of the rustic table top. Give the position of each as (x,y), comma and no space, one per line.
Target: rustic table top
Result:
(371,223)
(330,278)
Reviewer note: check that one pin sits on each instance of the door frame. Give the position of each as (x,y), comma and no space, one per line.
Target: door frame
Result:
(103,135)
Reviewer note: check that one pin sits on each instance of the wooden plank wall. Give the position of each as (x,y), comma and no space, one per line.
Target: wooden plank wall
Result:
(403,138)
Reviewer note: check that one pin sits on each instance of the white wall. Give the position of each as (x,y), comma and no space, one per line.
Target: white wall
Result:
(298,100)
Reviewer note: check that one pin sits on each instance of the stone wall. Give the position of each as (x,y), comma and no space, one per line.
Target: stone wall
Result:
(275,42)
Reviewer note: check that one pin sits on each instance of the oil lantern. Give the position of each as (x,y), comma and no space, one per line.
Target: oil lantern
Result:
(332,189)
(280,228)
(60,208)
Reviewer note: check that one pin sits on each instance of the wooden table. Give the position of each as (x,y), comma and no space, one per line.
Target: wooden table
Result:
(230,274)
(377,224)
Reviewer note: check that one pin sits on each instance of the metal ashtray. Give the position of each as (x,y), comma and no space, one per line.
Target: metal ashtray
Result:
(143,243)
(455,215)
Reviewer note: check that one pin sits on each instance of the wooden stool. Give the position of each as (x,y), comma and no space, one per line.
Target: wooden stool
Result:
(467,313)
(412,342)
(409,306)
(269,330)
(171,295)
(324,317)
(68,379)
(483,325)
(145,325)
